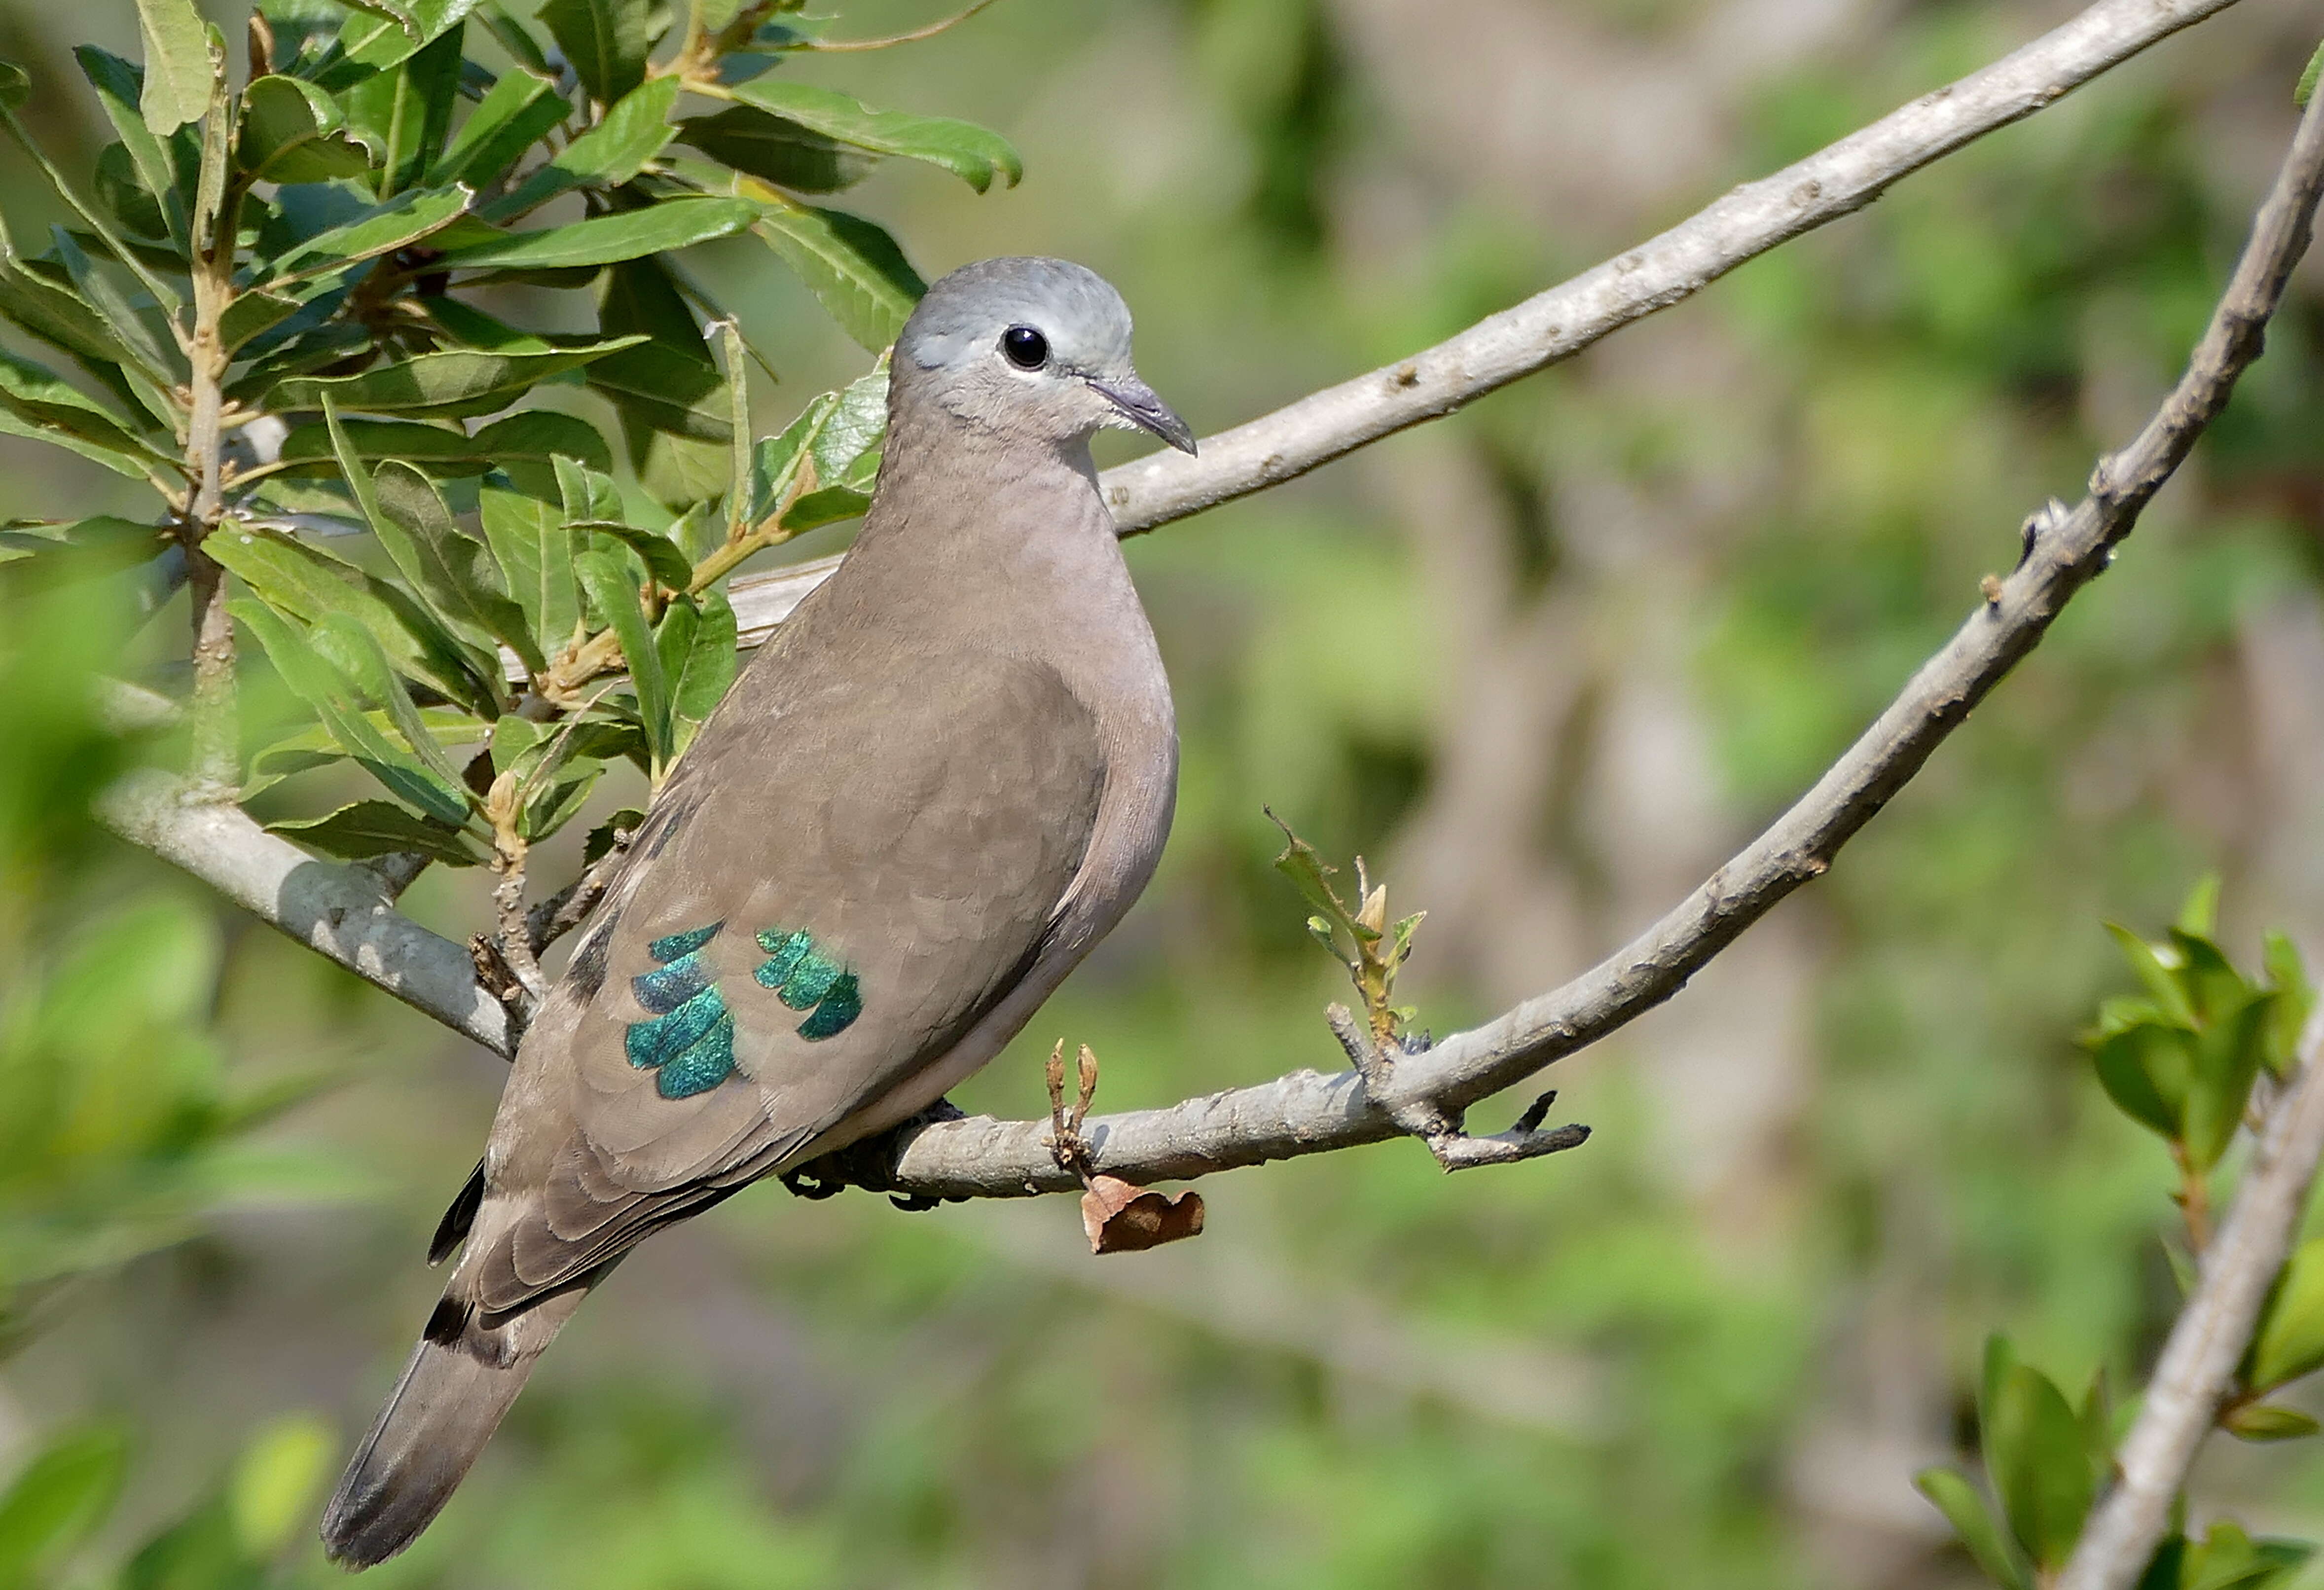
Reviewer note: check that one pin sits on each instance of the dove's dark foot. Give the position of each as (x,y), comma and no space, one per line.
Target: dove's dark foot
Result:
(871,1162)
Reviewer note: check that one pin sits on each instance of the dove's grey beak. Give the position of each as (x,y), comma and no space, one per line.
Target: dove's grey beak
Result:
(1142,409)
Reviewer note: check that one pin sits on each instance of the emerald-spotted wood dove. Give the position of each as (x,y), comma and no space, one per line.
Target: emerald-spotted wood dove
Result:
(923,802)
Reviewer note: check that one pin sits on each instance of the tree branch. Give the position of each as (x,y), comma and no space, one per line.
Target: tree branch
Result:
(2199,1361)
(1556,325)
(1307,1112)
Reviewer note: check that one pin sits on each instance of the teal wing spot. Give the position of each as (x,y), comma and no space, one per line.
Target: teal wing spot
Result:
(784,951)
(684,943)
(810,982)
(666,987)
(805,979)
(666,1037)
(706,1062)
(840,1008)
(689,1039)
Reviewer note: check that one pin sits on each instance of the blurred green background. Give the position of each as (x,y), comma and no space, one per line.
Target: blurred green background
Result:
(1544,664)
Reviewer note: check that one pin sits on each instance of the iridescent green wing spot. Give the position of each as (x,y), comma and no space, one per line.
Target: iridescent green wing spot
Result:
(805,979)
(690,1040)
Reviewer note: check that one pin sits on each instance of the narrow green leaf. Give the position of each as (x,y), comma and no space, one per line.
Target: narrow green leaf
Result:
(366,829)
(294,578)
(128,327)
(179,69)
(530,438)
(673,223)
(398,222)
(1966,1511)
(607,155)
(453,571)
(120,88)
(776,150)
(36,394)
(450,385)
(616,599)
(332,697)
(2259,1423)
(969,152)
(665,560)
(606,41)
(58,1501)
(702,674)
(855,269)
(518,111)
(350,648)
(405,113)
(2038,1468)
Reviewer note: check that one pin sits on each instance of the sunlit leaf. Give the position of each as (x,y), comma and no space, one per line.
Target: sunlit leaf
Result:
(969,152)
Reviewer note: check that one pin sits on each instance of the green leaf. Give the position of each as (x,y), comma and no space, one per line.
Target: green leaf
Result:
(452,570)
(703,667)
(606,41)
(293,578)
(969,152)
(1973,1521)
(2147,1069)
(2226,1059)
(776,150)
(350,648)
(517,114)
(631,234)
(405,113)
(528,439)
(616,599)
(366,829)
(275,1479)
(607,155)
(179,71)
(664,558)
(2160,986)
(58,1501)
(2259,1423)
(292,132)
(398,222)
(2040,1470)
(162,171)
(855,269)
(128,327)
(37,395)
(332,696)
(2289,1340)
(535,551)
(380,41)
(2294,999)
(451,385)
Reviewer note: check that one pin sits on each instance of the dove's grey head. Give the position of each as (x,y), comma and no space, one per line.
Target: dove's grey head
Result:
(1033,348)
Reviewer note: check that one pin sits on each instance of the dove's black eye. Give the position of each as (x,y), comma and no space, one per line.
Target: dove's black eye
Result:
(1027,348)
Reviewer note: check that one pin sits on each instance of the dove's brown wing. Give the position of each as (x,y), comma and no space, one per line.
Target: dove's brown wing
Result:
(817,907)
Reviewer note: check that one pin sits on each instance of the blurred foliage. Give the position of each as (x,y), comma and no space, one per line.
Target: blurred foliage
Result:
(837,1396)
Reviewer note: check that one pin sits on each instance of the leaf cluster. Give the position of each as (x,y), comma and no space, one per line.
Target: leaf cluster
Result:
(326,268)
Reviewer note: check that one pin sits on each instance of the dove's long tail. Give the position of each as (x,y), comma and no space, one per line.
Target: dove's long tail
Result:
(462,1378)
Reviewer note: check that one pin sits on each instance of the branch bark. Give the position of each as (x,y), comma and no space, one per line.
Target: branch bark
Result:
(1307,1112)
(1561,322)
